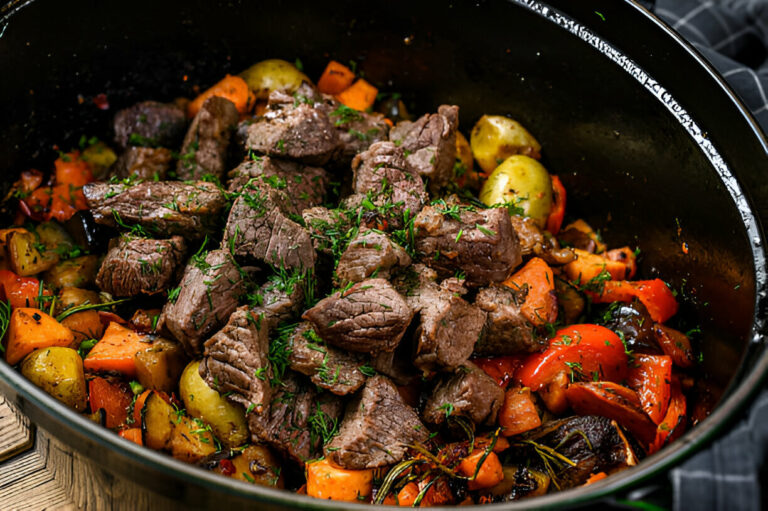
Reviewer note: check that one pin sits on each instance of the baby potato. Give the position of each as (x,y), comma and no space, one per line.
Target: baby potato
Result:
(522,181)
(76,272)
(100,158)
(273,74)
(495,137)
(59,372)
(202,402)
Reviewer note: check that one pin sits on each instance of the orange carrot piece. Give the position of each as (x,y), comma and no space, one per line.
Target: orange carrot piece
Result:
(540,306)
(335,79)
(32,329)
(360,95)
(72,170)
(115,351)
(626,256)
(326,481)
(407,495)
(588,266)
(132,434)
(230,87)
(518,414)
(114,399)
(138,405)
(66,200)
(595,478)
(489,474)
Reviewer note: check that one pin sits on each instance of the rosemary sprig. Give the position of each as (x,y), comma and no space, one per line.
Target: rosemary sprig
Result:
(89,306)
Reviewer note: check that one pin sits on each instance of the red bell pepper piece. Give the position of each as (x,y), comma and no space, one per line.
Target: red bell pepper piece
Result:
(557,213)
(673,425)
(21,291)
(675,344)
(114,399)
(654,294)
(651,376)
(586,349)
(501,369)
(627,257)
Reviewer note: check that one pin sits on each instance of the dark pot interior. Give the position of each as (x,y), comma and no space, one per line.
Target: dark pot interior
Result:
(627,160)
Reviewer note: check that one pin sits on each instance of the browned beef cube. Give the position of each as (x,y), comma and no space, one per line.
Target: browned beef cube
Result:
(162,208)
(329,368)
(282,303)
(507,331)
(326,228)
(481,243)
(396,365)
(381,171)
(296,411)
(430,144)
(236,361)
(533,241)
(259,229)
(369,317)
(357,130)
(449,328)
(137,265)
(144,163)
(303,186)
(468,392)
(376,428)
(205,146)
(207,296)
(370,253)
(294,128)
(150,123)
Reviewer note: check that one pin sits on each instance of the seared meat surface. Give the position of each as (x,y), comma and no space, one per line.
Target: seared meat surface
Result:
(138,265)
(376,428)
(144,163)
(468,392)
(507,331)
(151,124)
(481,243)
(208,294)
(162,209)
(205,146)
(370,253)
(369,317)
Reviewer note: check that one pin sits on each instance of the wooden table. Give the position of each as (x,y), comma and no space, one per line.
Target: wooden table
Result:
(39,472)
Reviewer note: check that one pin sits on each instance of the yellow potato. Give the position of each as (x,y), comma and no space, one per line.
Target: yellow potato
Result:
(494,138)
(59,372)
(24,255)
(100,158)
(54,236)
(521,181)
(76,272)
(202,402)
(273,74)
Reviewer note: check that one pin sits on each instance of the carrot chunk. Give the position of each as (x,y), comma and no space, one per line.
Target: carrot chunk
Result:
(32,329)
(335,79)
(230,87)
(360,95)
(326,481)
(116,350)
(540,306)
(489,474)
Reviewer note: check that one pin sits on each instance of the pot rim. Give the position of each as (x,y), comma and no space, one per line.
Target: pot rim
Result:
(36,402)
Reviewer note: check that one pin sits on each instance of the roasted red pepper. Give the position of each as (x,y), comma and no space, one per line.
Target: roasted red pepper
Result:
(590,350)
(21,291)
(654,294)
(651,376)
(501,369)
(674,421)
(557,213)
(114,399)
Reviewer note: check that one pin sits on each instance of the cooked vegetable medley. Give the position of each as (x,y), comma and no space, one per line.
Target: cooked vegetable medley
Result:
(303,286)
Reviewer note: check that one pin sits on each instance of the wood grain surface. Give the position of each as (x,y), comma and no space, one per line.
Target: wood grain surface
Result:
(41,473)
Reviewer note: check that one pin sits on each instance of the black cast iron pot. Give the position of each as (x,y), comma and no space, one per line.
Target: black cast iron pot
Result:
(650,143)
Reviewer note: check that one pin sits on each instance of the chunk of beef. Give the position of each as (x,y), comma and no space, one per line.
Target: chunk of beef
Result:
(381,171)
(236,361)
(370,252)
(329,368)
(369,317)
(430,143)
(295,128)
(480,243)
(150,123)
(376,429)
(208,294)
(468,392)
(282,302)
(534,241)
(294,415)
(205,146)
(507,331)
(138,265)
(357,130)
(302,186)
(161,208)
(324,227)
(449,327)
(259,229)
(396,365)
(144,163)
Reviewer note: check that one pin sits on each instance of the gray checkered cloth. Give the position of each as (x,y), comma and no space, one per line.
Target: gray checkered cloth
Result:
(733,36)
